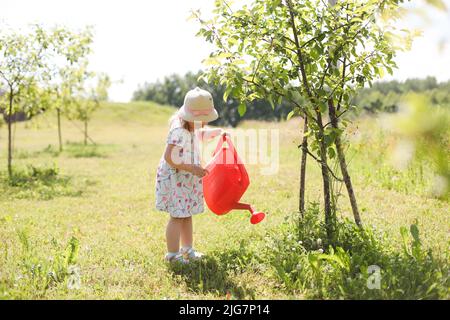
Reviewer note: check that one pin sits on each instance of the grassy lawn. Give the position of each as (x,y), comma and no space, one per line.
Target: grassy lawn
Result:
(104,197)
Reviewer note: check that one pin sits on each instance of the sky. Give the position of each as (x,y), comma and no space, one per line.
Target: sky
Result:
(139,41)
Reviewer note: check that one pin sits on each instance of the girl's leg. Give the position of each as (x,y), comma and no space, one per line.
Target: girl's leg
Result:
(173,232)
(187,239)
(186,232)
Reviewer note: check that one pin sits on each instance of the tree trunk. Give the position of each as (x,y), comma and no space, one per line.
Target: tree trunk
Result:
(343,164)
(304,146)
(329,210)
(85,132)
(10,151)
(58,113)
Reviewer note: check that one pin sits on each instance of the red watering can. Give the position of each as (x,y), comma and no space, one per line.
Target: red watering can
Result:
(227,181)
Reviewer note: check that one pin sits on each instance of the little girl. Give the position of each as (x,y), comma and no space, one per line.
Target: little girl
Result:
(179,189)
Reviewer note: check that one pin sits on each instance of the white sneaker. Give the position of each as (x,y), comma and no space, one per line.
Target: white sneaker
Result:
(191,254)
(178,258)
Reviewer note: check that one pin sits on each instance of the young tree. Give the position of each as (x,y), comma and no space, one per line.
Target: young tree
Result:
(89,98)
(278,49)
(68,75)
(21,63)
(64,94)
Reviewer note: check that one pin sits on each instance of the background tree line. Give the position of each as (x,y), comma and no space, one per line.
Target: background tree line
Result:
(172,89)
(386,96)
(381,97)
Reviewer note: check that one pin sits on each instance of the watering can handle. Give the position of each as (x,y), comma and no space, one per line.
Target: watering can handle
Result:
(225,138)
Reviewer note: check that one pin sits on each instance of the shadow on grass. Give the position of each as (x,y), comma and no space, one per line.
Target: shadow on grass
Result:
(80,150)
(71,149)
(215,273)
(49,150)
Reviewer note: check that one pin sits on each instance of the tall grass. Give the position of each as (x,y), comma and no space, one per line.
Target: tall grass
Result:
(360,265)
(36,274)
(38,182)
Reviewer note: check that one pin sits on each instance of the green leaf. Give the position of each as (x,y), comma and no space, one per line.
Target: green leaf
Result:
(321,37)
(404,234)
(331,153)
(439,4)
(323,106)
(271,101)
(223,55)
(415,232)
(239,61)
(328,139)
(242,108)
(279,100)
(307,133)
(389,69)
(290,115)
(227,93)
(211,62)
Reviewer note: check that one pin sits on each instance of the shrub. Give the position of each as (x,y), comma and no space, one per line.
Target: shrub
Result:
(44,183)
(35,273)
(360,265)
(34,175)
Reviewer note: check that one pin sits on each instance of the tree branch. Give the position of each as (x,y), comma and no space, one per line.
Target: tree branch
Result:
(320,162)
(299,53)
(343,83)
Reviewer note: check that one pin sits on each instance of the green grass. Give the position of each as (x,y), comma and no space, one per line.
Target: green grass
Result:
(108,208)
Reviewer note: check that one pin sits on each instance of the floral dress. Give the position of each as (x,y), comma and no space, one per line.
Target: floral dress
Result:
(179,192)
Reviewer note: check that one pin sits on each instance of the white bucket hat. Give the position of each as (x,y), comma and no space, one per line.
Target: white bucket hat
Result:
(198,106)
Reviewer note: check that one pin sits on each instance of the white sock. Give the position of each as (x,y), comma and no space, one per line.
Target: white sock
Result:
(186,248)
(170,255)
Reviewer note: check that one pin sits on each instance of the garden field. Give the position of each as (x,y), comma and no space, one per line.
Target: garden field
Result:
(81,224)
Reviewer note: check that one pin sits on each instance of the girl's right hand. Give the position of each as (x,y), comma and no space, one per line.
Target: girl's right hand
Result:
(199,171)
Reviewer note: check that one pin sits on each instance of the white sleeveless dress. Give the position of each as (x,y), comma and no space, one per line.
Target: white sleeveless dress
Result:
(179,192)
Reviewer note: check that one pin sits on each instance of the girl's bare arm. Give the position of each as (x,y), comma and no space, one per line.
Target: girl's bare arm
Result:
(207,133)
(171,156)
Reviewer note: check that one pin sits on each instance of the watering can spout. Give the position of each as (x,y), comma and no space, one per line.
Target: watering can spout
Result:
(256,217)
